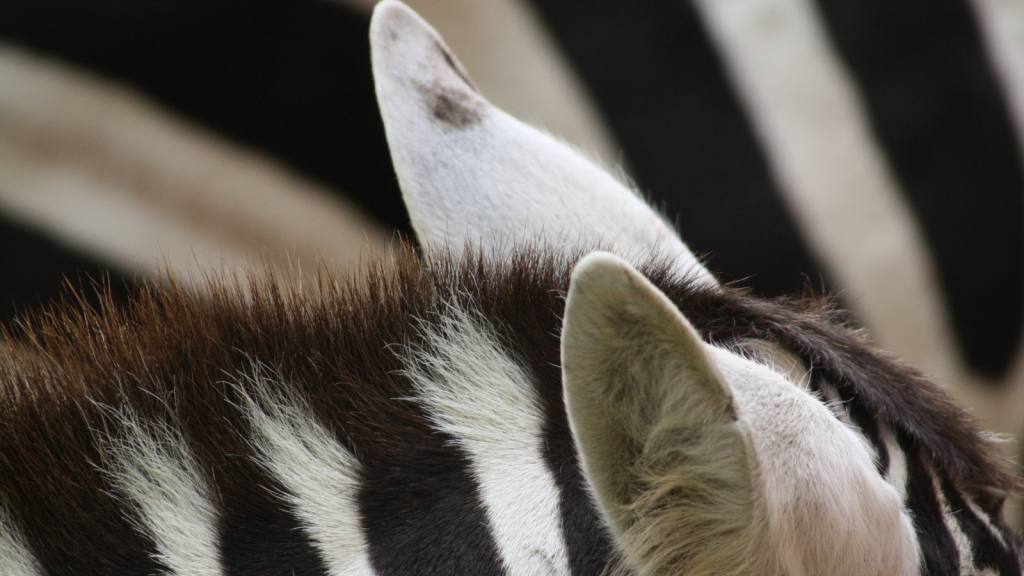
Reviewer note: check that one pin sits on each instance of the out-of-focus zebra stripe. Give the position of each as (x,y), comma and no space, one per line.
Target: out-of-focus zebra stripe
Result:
(663,88)
(940,116)
(1002,25)
(108,172)
(838,185)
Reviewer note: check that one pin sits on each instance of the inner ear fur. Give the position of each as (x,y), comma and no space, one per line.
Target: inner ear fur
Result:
(655,425)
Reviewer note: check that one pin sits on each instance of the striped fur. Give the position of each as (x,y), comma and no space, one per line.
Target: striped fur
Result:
(473,390)
(430,417)
(707,131)
(174,415)
(151,468)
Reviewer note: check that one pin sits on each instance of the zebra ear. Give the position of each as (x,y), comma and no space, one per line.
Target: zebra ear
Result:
(470,173)
(652,417)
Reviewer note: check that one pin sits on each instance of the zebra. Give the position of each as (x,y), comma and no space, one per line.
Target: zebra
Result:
(556,386)
(127,139)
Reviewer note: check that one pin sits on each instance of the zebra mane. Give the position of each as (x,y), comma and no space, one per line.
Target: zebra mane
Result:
(875,386)
(172,360)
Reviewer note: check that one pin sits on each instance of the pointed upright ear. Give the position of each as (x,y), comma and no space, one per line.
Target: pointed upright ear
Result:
(470,173)
(654,422)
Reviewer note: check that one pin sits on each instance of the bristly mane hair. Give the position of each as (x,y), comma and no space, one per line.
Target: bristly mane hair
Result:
(179,359)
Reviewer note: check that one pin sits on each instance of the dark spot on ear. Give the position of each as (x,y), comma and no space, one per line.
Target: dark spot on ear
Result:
(451,106)
(455,109)
(455,65)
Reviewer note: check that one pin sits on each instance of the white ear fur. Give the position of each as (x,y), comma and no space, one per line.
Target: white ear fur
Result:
(470,173)
(653,419)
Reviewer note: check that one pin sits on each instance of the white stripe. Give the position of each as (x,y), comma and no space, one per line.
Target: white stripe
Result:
(896,475)
(963,544)
(475,392)
(984,518)
(808,113)
(16,559)
(320,476)
(151,465)
(1002,26)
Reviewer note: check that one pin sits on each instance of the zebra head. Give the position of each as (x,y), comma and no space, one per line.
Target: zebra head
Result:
(718,435)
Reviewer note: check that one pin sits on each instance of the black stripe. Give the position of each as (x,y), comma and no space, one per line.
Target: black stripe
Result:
(64,506)
(290,78)
(869,426)
(260,535)
(862,417)
(258,532)
(422,511)
(104,541)
(987,550)
(588,542)
(938,110)
(938,549)
(663,89)
(420,506)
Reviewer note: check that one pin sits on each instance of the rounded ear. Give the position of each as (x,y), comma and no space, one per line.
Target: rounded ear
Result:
(471,174)
(653,419)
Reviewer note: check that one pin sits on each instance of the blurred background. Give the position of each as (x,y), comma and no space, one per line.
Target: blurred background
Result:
(867,148)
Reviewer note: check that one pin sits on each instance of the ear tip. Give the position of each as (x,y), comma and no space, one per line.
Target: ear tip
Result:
(411,62)
(602,267)
(599,260)
(391,20)
(389,12)
(602,280)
